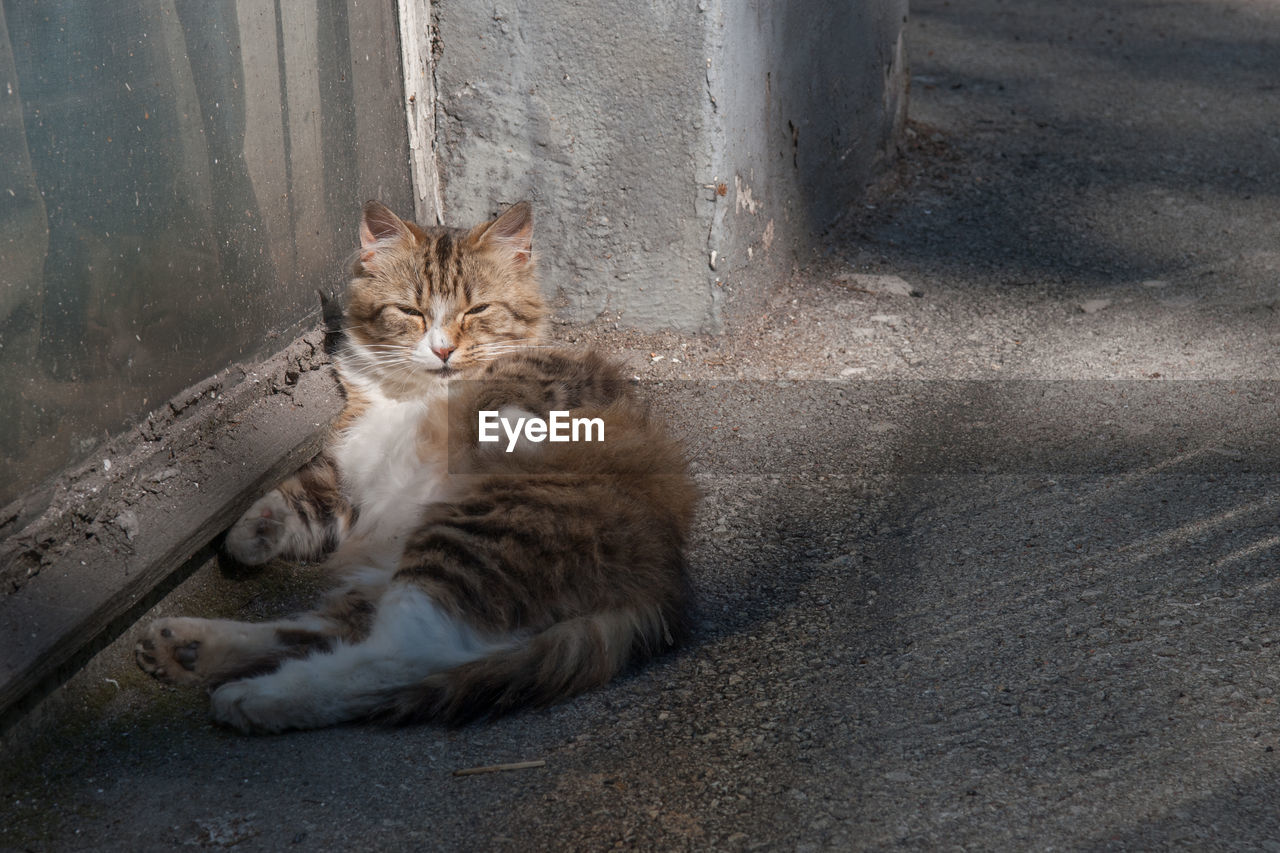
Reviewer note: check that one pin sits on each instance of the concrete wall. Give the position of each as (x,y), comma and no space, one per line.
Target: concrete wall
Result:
(676,152)
(807,98)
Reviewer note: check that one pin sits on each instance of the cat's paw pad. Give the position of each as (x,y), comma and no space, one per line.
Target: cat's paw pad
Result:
(259,535)
(169,650)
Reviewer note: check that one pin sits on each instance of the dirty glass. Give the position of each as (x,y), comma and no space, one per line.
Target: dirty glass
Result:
(177,179)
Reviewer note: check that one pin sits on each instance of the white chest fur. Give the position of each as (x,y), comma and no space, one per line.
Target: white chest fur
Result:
(384,476)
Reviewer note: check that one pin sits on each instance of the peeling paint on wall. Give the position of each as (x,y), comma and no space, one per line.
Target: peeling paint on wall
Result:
(742,196)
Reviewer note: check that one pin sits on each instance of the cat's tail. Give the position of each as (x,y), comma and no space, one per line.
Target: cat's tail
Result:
(568,658)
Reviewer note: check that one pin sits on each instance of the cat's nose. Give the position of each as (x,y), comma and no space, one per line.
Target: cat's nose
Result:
(443,353)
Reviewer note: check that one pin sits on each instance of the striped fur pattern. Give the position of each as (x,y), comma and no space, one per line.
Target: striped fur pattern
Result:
(473,581)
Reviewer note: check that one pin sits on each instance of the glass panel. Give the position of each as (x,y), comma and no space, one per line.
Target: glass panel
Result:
(177,178)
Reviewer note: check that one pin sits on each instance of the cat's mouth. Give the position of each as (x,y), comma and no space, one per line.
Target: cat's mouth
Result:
(442,370)
(449,371)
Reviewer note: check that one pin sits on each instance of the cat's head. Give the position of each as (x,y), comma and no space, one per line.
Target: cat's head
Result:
(428,303)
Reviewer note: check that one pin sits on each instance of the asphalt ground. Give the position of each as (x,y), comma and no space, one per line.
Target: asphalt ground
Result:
(987,567)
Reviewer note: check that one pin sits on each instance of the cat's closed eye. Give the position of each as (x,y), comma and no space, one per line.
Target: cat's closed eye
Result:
(398,317)
(476,309)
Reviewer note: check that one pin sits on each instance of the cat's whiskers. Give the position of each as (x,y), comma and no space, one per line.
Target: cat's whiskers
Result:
(516,340)
(490,356)
(403,368)
(389,357)
(396,365)
(507,346)
(391,364)
(380,352)
(385,349)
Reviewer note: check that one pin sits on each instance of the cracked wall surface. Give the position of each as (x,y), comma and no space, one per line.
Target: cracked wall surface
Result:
(676,153)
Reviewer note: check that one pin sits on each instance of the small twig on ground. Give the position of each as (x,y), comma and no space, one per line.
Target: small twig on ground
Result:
(499,768)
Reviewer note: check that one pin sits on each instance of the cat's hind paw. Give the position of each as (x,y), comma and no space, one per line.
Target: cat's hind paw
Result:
(169,651)
(245,706)
(274,703)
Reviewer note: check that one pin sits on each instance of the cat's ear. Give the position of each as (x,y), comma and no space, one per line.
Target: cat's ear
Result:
(511,234)
(379,224)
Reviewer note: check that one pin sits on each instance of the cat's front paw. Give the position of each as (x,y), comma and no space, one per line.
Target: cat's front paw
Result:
(260,533)
(169,651)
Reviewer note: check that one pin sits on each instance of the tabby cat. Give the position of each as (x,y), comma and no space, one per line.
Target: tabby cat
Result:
(474,580)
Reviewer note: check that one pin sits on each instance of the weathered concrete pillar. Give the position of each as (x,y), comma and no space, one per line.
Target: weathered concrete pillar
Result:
(676,152)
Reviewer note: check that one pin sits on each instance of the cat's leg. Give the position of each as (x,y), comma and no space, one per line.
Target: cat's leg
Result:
(411,638)
(305,517)
(209,652)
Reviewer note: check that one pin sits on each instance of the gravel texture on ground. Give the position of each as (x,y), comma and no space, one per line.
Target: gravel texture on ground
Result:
(987,554)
